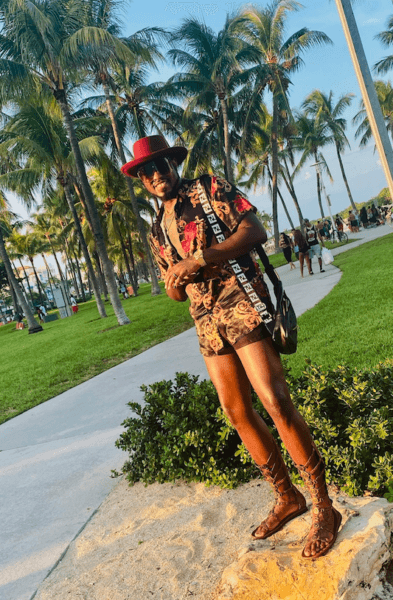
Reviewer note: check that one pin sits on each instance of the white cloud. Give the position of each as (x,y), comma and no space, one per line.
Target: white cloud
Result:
(307,175)
(371,21)
(379,162)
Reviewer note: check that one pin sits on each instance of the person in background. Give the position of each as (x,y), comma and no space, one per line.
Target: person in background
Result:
(312,236)
(352,222)
(122,289)
(74,304)
(364,217)
(286,244)
(370,217)
(295,246)
(339,223)
(300,241)
(321,230)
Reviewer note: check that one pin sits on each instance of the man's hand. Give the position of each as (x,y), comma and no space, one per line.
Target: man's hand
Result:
(182,273)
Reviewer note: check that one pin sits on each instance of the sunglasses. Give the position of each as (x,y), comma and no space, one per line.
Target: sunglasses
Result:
(162,165)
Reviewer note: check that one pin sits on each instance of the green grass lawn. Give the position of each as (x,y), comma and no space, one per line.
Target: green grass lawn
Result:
(37,367)
(353,325)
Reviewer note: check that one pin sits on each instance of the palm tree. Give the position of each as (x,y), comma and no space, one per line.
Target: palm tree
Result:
(384,91)
(110,188)
(39,45)
(386,37)
(278,59)
(33,326)
(213,66)
(36,136)
(312,136)
(141,51)
(320,106)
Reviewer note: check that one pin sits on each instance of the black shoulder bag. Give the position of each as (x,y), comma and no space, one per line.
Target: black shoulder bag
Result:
(282,326)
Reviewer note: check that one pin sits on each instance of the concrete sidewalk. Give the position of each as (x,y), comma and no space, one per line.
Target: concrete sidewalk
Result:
(56,459)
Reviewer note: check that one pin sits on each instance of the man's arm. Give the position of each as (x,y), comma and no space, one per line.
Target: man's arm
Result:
(249,233)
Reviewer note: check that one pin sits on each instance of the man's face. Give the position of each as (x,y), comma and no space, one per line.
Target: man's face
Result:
(160,179)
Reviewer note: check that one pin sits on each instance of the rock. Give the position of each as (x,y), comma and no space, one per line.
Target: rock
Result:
(352,570)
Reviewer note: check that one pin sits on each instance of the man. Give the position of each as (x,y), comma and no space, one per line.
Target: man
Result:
(313,236)
(234,342)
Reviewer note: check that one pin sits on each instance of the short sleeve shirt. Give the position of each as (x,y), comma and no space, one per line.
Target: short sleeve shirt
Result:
(215,295)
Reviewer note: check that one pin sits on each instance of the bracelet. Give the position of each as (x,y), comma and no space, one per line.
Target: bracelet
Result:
(198,255)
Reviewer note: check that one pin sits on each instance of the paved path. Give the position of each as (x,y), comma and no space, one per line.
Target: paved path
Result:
(55,459)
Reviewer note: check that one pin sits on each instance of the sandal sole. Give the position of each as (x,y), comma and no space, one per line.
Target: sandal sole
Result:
(281,525)
(337,523)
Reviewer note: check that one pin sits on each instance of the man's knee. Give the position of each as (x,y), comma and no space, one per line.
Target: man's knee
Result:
(279,406)
(236,408)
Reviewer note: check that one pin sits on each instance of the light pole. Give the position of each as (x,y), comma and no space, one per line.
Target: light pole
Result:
(316,165)
(366,84)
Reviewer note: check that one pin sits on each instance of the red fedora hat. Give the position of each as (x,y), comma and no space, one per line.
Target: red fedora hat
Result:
(149,148)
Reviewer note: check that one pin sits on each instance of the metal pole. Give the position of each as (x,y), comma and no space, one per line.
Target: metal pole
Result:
(367,88)
(326,198)
(316,165)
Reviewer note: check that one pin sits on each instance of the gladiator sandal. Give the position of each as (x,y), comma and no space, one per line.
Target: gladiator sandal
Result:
(326,520)
(276,473)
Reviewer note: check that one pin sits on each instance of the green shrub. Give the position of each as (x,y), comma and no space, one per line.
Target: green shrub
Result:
(182,433)
(350,414)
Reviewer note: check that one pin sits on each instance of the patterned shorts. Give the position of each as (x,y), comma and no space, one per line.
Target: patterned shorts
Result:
(223,342)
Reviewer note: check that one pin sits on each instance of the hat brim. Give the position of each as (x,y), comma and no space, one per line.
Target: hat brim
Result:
(131,168)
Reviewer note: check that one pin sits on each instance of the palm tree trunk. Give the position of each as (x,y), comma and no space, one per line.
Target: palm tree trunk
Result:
(57,263)
(274,144)
(288,182)
(38,282)
(127,262)
(119,311)
(282,202)
(50,278)
(86,255)
(345,179)
(135,274)
(78,270)
(228,162)
(33,326)
(13,295)
(319,189)
(28,283)
(101,277)
(155,288)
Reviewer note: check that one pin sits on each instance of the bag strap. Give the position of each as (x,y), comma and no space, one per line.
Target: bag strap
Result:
(256,302)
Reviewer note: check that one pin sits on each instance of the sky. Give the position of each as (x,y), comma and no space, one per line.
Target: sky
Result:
(326,68)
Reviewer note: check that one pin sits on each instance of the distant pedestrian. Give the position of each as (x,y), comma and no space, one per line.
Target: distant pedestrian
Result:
(39,314)
(43,310)
(370,217)
(286,244)
(352,222)
(300,241)
(295,246)
(339,223)
(122,289)
(74,304)
(312,237)
(364,217)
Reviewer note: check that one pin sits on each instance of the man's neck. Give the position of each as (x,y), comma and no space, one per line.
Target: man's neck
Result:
(169,203)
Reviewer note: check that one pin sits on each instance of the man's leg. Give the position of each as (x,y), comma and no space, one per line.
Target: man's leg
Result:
(322,270)
(234,391)
(265,373)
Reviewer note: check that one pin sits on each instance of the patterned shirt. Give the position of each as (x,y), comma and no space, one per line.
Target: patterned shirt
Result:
(216,296)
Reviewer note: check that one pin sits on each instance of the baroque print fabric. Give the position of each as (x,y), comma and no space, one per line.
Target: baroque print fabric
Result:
(219,306)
